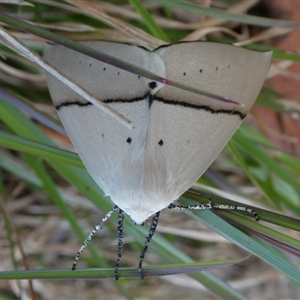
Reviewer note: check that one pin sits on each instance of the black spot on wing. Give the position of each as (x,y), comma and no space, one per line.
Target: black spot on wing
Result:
(152,85)
(129,140)
(161,142)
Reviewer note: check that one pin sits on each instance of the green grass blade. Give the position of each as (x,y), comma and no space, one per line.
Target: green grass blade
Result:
(261,229)
(250,244)
(218,13)
(149,21)
(266,159)
(41,150)
(96,273)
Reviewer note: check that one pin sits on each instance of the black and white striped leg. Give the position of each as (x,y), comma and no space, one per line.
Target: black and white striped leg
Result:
(239,208)
(89,238)
(120,242)
(211,205)
(208,205)
(151,232)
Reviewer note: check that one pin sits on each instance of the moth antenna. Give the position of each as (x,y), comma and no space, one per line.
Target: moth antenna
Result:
(89,238)
(120,242)
(211,205)
(151,232)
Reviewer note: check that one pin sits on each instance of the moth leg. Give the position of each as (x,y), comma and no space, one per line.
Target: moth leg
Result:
(89,238)
(151,232)
(120,242)
(208,205)
(211,205)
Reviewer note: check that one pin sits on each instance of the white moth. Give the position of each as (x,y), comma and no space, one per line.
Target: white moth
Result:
(176,135)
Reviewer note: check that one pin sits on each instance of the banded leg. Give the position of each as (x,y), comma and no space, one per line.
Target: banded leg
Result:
(211,205)
(89,238)
(151,232)
(120,242)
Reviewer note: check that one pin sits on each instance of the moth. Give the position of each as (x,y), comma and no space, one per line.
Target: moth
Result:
(176,135)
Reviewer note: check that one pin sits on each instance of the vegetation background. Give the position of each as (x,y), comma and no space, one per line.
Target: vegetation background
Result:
(49,203)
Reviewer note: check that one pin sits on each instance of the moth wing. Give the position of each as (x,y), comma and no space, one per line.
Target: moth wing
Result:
(106,147)
(187,131)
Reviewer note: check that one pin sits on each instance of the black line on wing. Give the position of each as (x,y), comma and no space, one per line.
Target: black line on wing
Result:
(151,99)
(72,103)
(201,107)
(82,104)
(127,100)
